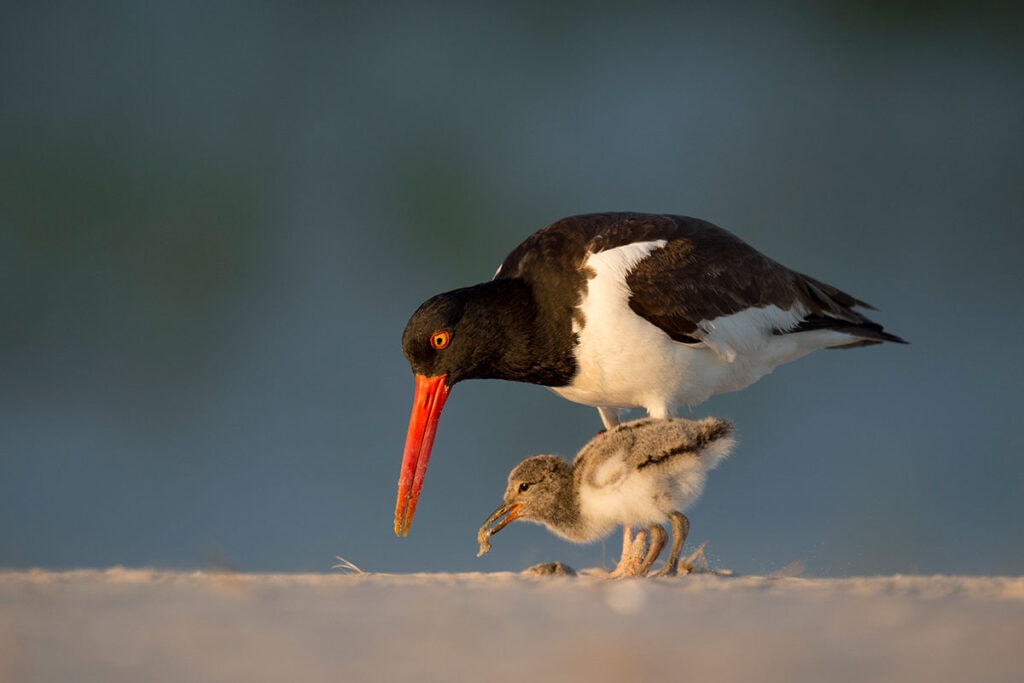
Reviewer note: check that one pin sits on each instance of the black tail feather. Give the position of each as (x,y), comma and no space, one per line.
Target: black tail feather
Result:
(868,331)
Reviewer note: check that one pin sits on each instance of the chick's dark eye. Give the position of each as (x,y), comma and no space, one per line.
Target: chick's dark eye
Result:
(524,487)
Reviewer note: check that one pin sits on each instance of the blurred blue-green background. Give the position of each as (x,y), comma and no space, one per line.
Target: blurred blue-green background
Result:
(216,220)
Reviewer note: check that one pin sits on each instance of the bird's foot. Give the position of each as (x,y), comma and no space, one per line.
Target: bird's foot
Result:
(634,557)
(667,569)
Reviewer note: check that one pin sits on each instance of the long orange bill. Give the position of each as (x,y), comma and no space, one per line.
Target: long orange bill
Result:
(431,393)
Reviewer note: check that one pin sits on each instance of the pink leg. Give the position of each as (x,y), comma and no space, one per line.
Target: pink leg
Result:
(680,530)
(634,554)
(658,538)
(627,545)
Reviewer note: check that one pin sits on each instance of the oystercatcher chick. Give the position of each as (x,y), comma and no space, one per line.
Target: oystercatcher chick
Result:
(641,473)
(620,310)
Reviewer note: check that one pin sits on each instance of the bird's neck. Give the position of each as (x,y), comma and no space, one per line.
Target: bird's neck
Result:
(529,341)
(575,529)
(566,519)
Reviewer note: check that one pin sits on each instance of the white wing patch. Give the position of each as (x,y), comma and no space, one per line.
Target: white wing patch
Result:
(609,474)
(748,330)
(619,261)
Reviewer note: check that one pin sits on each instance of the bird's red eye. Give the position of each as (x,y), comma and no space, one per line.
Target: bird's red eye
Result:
(440,339)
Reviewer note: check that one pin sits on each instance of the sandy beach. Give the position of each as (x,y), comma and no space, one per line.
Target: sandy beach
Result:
(150,625)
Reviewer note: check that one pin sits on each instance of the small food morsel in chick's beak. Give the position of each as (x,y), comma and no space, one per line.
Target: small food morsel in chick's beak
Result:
(501,518)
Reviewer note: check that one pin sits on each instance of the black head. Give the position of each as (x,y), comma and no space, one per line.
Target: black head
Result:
(480,332)
(437,341)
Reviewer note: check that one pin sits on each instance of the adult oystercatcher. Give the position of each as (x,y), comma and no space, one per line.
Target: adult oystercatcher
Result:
(641,473)
(620,310)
